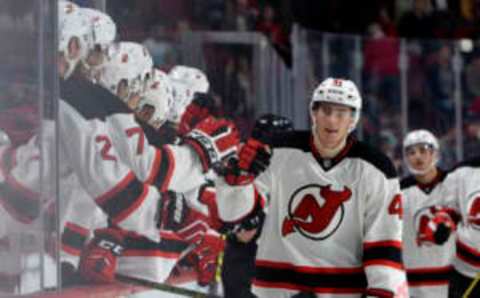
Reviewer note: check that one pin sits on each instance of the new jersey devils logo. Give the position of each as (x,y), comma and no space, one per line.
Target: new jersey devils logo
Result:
(473,210)
(315,211)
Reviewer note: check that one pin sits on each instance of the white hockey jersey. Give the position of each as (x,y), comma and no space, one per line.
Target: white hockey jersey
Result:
(466,179)
(428,265)
(108,164)
(333,227)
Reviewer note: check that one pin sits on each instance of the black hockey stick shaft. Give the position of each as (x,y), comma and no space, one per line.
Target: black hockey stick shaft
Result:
(164,287)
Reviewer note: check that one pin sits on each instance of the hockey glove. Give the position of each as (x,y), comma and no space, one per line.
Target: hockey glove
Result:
(206,254)
(255,154)
(215,141)
(268,125)
(98,262)
(175,216)
(254,157)
(436,230)
(200,108)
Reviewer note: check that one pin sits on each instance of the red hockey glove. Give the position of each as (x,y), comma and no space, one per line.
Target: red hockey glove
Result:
(215,141)
(98,262)
(206,254)
(436,230)
(254,157)
(200,108)
(175,216)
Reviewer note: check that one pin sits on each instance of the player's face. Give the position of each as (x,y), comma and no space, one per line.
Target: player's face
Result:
(73,50)
(420,157)
(95,57)
(145,113)
(332,123)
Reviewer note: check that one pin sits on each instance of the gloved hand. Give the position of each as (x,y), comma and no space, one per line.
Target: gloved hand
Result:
(206,255)
(176,216)
(200,108)
(98,261)
(215,141)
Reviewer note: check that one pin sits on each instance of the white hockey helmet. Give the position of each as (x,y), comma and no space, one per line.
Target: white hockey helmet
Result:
(73,25)
(104,30)
(339,91)
(186,82)
(421,137)
(159,96)
(193,77)
(129,62)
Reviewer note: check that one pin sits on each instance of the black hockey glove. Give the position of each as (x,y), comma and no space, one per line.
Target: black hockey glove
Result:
(442,233)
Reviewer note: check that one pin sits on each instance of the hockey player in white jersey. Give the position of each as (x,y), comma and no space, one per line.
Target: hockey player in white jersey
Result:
(428,247)
(113,185)
(465,179)
(333,227)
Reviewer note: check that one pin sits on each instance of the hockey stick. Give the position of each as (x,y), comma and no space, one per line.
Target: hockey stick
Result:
(472,286)
(213,289)
(164,287)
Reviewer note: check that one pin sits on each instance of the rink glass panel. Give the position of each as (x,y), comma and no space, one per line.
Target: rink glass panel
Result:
(28,216)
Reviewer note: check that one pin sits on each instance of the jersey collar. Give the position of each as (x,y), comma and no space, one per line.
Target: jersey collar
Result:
(429,187)
(330,163)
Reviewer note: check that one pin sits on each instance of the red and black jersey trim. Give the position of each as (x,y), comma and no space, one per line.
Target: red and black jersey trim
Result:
(162,170)
(428,276)
(123,199)
(383,253)
(311,279)
(138,246)
(379,293)
(468,254)
(74,238)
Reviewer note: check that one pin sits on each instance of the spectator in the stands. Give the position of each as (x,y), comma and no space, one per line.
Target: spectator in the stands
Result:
(381,71)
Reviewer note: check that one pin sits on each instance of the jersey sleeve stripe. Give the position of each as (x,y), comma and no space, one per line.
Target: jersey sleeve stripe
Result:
(155,167)
(386,243)
(384,253)
(314,279)
(165,170)
(73,238)
(137,246)
(124,199)
(379,293)
(130,205)
(121,186)
(77,229)
(428,276)
(468,254)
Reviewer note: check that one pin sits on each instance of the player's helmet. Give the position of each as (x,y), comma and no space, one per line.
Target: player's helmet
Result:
(159,96)
(339,91)
(104,30)
(420,137)
(186,82)
(128,62)
(193,77)
(72,25)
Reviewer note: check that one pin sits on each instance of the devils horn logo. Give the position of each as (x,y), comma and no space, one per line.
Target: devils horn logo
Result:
(315,211)
(474,210)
